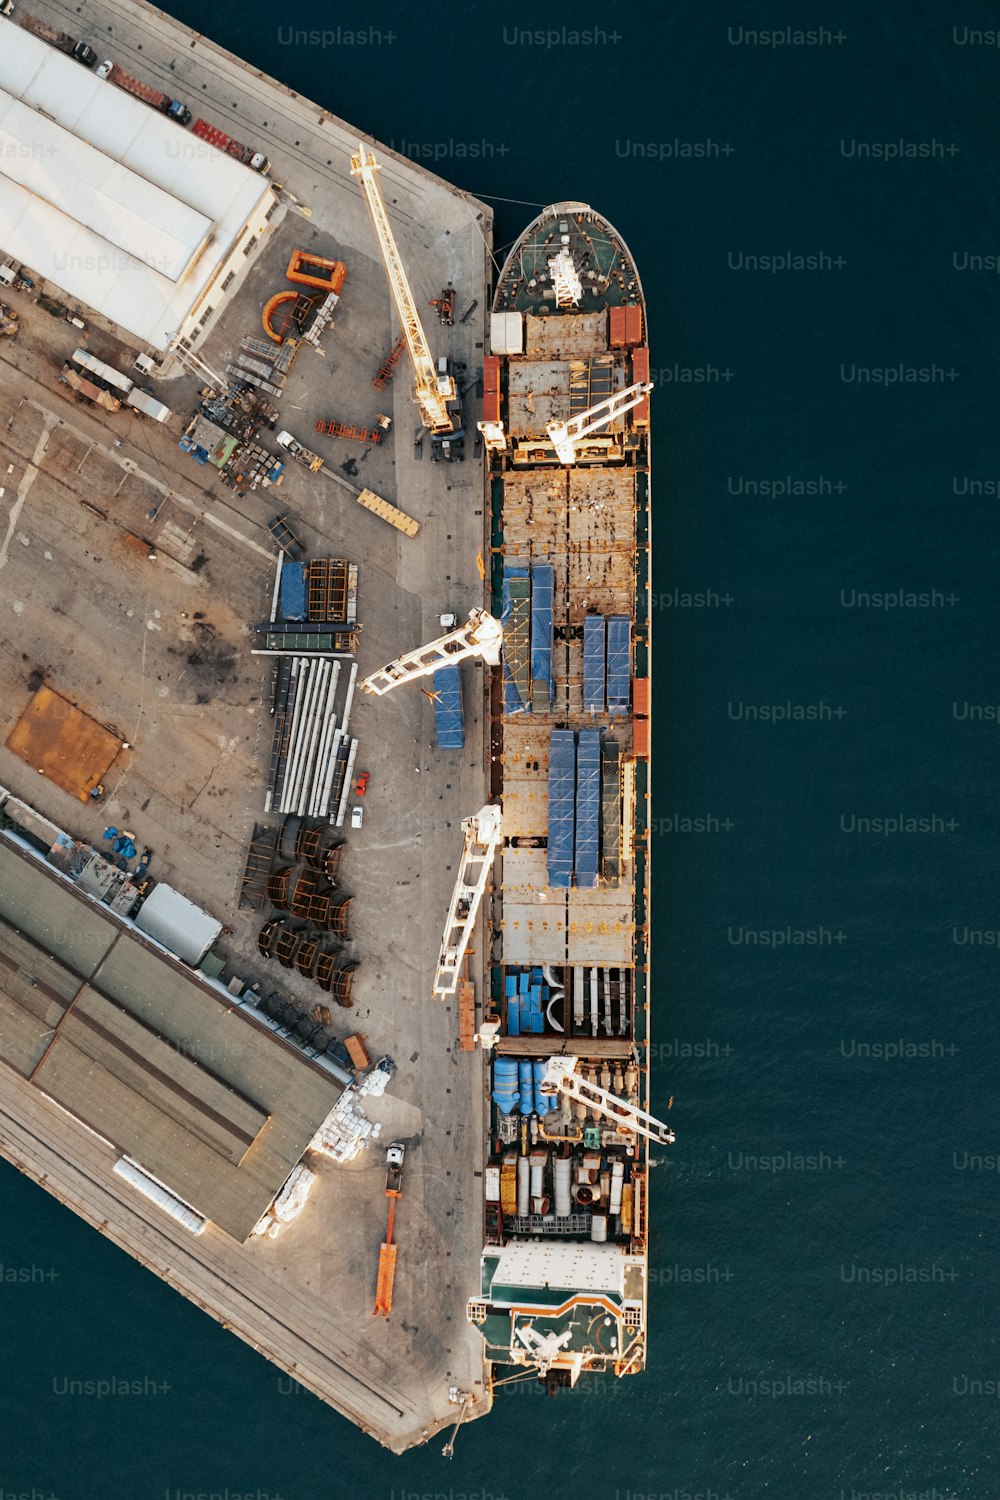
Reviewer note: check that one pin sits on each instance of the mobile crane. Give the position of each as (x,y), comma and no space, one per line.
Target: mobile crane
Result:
(434,388)
(387,1252)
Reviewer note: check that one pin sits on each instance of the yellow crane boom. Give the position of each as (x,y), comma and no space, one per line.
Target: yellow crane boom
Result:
(433,391)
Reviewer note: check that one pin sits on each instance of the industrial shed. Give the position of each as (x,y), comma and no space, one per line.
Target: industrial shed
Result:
(116,204)
(142,1052)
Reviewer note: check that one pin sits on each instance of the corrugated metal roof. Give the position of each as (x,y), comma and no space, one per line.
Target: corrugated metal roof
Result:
(142,255)
(151,1058)
(43,161)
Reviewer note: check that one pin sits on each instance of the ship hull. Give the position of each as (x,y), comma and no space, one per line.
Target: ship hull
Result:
(564,1268)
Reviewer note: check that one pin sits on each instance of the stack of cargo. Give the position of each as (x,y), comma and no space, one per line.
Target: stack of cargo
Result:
(588,807)
(516,621)
(534,1001)
(562,806)
(593,664)
(449,714)
(619,663)
(527,647)
(542,591)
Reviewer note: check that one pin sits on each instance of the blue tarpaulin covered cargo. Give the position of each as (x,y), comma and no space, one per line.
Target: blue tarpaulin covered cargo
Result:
(542,589)
(516,621)
(588,806)
(619,659)
(448,711)
(593,664)
(562,806)
(293,591)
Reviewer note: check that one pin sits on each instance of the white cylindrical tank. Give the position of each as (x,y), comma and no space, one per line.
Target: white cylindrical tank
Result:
(561,1169)
(617,1178)
(599,1228)
(523,1180)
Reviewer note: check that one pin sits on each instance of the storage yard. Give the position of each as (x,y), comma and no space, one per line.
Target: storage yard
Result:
(202,591)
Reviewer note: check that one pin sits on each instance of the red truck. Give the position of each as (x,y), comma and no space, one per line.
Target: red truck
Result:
(236,149)
(154,97)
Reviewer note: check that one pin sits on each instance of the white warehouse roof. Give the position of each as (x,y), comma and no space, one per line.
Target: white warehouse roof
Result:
(107,198)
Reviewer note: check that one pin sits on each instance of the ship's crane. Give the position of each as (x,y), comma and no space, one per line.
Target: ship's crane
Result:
(561,1078)
(483,833)
(566,436)
(480,636)
(435,392)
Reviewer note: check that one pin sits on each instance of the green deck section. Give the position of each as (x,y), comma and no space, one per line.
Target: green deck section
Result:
(601,251)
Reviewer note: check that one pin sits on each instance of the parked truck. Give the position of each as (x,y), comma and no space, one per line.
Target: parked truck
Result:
(148,406)
(144,91)
(86,390)
(223,142)
(302,455)
(58,39)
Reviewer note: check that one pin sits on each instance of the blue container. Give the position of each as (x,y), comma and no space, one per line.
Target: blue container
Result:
(543,1102)
(505,1094)
(525,1078)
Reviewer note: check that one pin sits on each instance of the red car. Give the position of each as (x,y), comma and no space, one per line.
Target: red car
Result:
(361,785)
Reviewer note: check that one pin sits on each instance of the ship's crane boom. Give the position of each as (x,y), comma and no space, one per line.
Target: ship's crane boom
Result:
(561,1078)
(566,436)
(481,636)
(434,392)
(483,833)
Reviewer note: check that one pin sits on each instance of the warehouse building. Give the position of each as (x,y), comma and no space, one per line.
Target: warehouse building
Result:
(188,1090)
(116,204)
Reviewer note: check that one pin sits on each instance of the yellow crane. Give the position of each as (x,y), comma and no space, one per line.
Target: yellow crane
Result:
(435,391)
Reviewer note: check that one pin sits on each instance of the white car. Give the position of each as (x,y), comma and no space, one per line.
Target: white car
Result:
(357,815)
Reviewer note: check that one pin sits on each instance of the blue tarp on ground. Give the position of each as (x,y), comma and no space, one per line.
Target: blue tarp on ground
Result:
(593,664)
(562,806)
(448,711)
(588,806)
(542,589)
(293,591)
(619,660)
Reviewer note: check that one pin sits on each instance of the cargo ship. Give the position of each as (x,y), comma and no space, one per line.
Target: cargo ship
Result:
(566,1172)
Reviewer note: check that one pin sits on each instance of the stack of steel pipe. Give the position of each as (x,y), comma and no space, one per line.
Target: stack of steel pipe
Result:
(303,766)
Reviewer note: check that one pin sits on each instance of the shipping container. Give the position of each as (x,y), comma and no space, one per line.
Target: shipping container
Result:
(507,333)
(103,374)
(358,1052)
(491,388)
(640,738)
(640,371)
(640,697)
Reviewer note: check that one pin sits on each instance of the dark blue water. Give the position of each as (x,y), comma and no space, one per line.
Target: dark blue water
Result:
(825,1249)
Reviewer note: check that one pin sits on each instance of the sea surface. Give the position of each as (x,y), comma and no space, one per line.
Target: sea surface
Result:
(827,776)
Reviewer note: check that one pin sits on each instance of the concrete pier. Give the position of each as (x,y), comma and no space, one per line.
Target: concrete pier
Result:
(160,649)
